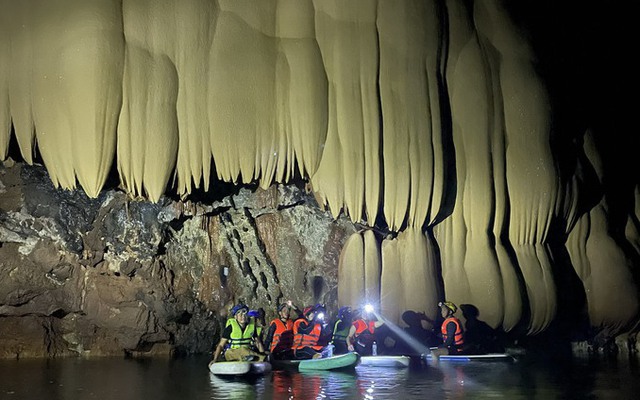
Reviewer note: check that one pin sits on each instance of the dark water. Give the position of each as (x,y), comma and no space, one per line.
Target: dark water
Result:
(189,378)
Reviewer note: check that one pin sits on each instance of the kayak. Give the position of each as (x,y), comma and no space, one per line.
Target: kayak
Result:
(342,361)
(385,361)
(236,368)
(285,364)
(492,357)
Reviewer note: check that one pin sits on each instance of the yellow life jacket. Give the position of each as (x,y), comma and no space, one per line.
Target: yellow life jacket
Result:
(241,338)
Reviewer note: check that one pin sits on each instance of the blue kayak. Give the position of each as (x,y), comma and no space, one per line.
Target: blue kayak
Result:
(490,357)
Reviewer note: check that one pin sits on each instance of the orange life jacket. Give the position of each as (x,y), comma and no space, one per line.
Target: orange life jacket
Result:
(362,326)
(457,338)
(282,336)
(310,339)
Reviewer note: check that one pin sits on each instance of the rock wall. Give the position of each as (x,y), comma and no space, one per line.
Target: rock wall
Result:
(111,275)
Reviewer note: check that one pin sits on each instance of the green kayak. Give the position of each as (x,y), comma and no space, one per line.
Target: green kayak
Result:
(342,361)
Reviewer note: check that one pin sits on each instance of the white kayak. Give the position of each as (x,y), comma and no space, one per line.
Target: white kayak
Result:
(385,361)
(503,357)
(240,367)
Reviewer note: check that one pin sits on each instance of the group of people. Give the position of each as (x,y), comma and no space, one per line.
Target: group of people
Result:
(306,334)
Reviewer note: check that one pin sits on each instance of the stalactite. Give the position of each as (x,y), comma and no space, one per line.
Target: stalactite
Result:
(602,264)
(351,272)
(77,91)
(372,267)
(147,137)
(410,105)
(5,68)
(409,275)
(391,305)
(348,176)
(19,59)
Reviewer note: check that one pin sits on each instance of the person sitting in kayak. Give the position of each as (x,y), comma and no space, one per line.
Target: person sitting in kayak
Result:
(341,330)
(452,332)
(308,331)
(279,338)
(257,316)
(240,334)
(362,334)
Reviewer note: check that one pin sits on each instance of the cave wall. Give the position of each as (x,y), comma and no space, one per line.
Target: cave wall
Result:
(112,275)
(442,124)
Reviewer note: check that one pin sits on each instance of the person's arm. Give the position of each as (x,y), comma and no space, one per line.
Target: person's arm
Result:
(269,338)
(224,339)
(219,348)
(451,334)
(305,328)
(351,338)
(258,343)
(295,309)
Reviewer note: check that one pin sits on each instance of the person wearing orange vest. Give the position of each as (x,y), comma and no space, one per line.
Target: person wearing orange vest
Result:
(451,329)
(362,333)
(307,332)
(279,338)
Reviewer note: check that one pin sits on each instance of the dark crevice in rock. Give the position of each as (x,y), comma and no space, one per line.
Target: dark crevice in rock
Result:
(59,313)
(184,318)
(285,206)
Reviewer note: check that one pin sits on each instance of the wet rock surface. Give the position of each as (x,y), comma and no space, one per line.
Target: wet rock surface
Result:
(114,275)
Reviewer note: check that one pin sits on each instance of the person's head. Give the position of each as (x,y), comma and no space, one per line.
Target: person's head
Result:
(368,312)
(410,318)
(257,315)
(309,313)
(447,308)
(344,313)
(284,311)
(239,312)
(320,312)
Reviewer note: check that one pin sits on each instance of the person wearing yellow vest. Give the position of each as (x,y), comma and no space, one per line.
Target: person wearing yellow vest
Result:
(308,331)
(240,335)
(362,333)
(257,316)
(279,339)
(341,330)
(451,329)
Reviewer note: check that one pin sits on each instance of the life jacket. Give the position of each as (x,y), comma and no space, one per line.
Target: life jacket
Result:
(240,338)
(364,328)
(282,336)
(457,338)
(365,332)
(342,334)
(310,339)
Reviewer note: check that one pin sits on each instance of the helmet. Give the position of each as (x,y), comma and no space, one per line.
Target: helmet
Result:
(282,306)
(253,313)
(319,308)
(344,311)
(449,305)
(239,307)
(308,310)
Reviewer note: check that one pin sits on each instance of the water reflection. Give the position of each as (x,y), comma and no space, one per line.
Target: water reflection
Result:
(189,379)
(237,387)
(313,385)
